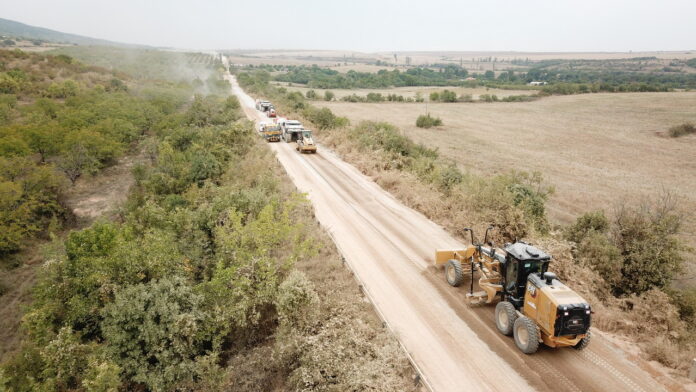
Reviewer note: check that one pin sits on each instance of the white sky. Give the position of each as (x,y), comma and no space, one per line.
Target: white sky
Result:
(373,25)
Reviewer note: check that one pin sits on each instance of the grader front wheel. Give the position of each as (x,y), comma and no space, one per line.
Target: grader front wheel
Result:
(454,273)
(526,335)
(584,342)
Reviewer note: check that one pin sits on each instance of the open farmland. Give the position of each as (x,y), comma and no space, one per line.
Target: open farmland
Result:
(410,92)
(596,149)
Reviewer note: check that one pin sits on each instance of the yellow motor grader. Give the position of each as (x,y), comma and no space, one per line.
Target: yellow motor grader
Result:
(534,306)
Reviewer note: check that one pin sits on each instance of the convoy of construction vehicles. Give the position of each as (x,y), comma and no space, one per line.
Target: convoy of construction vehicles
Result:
(285,129)
(534,306)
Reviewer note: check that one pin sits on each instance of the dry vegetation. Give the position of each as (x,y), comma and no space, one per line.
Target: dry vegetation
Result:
(409,92)
(340,345)
(637,244)
(289,316)
(596,149)
(633,317)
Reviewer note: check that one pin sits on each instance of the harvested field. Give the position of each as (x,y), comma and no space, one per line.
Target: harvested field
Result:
(407,92)
(596,149)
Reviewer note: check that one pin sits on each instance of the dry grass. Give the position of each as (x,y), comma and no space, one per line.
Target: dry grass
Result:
(635,317)
(596,149)
(345,345)
(407,92)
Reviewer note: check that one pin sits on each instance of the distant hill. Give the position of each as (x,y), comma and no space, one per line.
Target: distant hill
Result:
(21,30)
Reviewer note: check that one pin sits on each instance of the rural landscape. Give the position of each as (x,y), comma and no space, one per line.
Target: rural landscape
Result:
(214,218)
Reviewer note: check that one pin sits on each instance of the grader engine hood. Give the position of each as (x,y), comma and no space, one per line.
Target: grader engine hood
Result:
(568,312)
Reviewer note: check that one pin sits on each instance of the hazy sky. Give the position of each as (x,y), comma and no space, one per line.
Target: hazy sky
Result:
(374,25)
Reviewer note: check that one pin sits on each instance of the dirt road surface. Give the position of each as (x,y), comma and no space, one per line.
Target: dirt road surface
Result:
(455,347)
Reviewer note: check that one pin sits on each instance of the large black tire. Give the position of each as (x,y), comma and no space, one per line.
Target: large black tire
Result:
(526,335)
(584,342)
(454,273)
(505,317)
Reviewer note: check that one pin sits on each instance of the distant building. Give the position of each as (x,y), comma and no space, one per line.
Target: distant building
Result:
(537,83)
(470,78)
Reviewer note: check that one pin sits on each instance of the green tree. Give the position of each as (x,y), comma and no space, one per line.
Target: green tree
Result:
(44,139)
(647,238)
(154,332)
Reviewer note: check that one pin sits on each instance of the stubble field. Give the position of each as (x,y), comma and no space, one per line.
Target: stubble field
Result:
(598,150)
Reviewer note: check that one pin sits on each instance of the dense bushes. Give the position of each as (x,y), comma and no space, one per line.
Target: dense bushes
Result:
(151,302)
(67,128)
(427,121)
(316,77)
(682,129)
(515,201)
(324,118)
(638,251)
(30,200)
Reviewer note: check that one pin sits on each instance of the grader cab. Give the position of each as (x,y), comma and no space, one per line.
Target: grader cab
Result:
(534,305)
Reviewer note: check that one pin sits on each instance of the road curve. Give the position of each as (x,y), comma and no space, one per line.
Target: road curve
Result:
(455,347)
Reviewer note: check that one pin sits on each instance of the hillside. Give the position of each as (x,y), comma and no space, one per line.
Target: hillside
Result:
(20,30)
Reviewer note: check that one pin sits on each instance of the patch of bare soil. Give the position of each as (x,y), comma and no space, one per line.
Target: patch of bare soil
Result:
(97,196)
(90,198)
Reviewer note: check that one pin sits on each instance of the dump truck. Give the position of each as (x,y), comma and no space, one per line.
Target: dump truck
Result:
(291,130)
(533,304)
(271,112)
(270,132)
(305,142)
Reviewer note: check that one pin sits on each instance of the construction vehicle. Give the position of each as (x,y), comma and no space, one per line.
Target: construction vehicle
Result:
(534,306)
(270,132)
(271,112)
(305,142)
(263,106)
(291,130)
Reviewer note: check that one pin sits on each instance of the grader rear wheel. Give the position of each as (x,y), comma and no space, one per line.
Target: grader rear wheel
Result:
(505,317)
(454,273)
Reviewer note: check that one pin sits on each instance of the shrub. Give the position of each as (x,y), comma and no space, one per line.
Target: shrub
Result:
(519,98)
(448,96)
(328,96)
(65,89)
(466,98)
(647,238)
(324,118)
(374,97)
(596,250)
(586,224)
(434,96)
(296,300)
(488,98)
(685,300)
(154,331)
(311,94)
(682,129)
(427,121)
